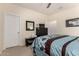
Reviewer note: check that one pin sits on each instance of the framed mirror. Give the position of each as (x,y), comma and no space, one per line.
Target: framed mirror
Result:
(30,25)
(72,22)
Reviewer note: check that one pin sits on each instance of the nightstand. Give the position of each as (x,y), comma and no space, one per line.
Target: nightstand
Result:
(29,41)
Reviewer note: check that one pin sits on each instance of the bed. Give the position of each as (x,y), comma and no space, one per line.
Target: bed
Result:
(56,45)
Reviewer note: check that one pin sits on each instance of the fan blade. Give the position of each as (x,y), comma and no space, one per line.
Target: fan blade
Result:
(48,5)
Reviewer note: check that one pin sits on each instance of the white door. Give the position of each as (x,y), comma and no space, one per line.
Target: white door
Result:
(12,30)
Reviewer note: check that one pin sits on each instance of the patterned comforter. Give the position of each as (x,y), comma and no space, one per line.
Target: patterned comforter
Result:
(56,45)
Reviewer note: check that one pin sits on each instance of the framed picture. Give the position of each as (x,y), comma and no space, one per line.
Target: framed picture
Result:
(30,25)
(72,22)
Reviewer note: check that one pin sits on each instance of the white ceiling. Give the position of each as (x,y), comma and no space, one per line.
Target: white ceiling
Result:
(54,8)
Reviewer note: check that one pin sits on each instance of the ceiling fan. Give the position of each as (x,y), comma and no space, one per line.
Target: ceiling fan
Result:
(49,4)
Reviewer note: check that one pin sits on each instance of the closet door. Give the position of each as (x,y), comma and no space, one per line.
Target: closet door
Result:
(12,27)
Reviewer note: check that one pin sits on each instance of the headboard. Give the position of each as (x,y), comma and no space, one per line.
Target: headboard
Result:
(41,30)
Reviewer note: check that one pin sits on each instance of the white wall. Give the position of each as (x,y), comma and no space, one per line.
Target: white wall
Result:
(60,19)
(25,14)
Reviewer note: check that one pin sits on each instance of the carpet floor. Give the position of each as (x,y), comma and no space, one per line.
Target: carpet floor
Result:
(18,51)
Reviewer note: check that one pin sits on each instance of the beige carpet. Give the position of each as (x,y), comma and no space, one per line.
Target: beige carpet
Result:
(18,51)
